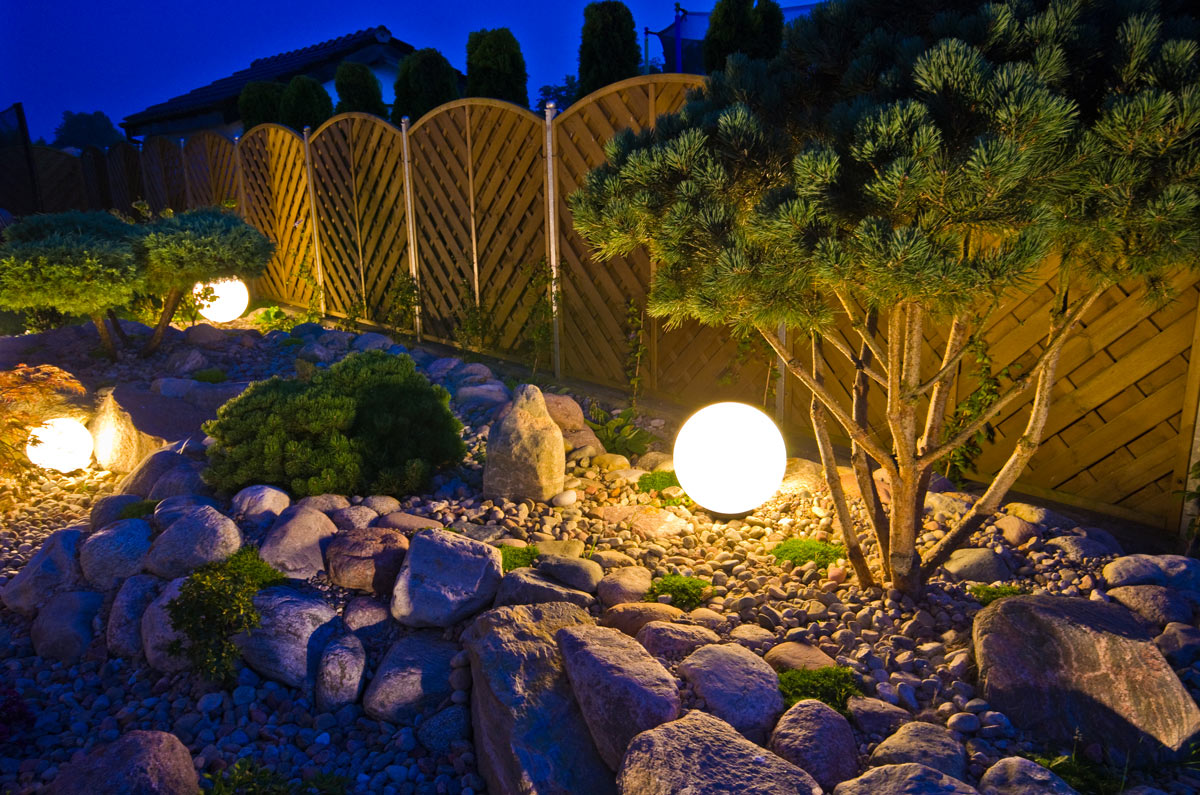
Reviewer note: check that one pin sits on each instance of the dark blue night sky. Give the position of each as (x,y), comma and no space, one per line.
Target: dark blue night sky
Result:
(124,55)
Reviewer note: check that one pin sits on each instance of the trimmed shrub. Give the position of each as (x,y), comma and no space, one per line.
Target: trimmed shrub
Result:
(104,226)
(370,424)
(358,90)
(259,104)
(304,103)
(424,81)
(496,67)
(687,593)
(832,685)
(801,550)
(517,557)
(608,48)
(214,604)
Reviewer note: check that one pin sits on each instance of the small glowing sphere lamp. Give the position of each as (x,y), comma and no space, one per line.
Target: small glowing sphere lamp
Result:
(229,302)
(61,444)
(730,457)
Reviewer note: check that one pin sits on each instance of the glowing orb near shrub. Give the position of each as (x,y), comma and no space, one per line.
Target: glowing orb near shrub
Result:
(61,444)
(230,300)
(730,457)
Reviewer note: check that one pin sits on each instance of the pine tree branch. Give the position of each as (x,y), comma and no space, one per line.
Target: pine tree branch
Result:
(950,364)
(1057,338)
(865,330)
(956,345)
(868,442)
(844,349)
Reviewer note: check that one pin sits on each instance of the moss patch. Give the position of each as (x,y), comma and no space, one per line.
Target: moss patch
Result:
(687,593)
(801,550)
(517,557)
(832,685)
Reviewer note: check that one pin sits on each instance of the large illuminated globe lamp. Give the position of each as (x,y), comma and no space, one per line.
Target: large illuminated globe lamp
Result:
(730,458)
(61,444)
(229,302)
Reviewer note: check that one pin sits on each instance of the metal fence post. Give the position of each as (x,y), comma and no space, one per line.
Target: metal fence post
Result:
(552,233)
(410,221)
(312,213)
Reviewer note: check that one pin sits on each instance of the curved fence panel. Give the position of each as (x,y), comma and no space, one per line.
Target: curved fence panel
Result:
(124,165)
(211,163)
(163,176)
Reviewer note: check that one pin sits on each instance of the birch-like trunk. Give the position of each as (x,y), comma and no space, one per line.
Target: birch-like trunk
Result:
(170,304)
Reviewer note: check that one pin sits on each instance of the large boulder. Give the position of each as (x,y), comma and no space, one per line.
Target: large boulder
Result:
(414,677)
(674,641)
(124,631)
(702,755)
(158,634)
(445,578)
(260,505)
(1016,775)
(106,510)
(819,741)
(568,416)
(141,481)
(907,779)
(203,536)
(525,455)
(792,655)
(1157,604)
(287,644)
(122,440)
(923,744)
(297,540)
(169,511)
(340,673)
(54,568)
(526,586)
(737,687)
(632,616)
(111,554)
(138,763)
(1174,571)
(1060,666)
(875,718)
(366,559)
(624,585)
(977,565)
(63,628)
(573,572)
(530,735)
(183,480)
(621,689)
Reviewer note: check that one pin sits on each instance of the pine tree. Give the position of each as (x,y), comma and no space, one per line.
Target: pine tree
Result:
(742,26)
(897,175)
(259,104)
(496,67)
(608,49)
(305,103)
(425,80)
(358,90)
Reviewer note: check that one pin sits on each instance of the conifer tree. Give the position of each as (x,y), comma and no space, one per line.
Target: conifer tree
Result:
(608,49)
(304,103)
(425,80)
(897,176)
(496,67)
(358,90)
(259,104)
(742,26)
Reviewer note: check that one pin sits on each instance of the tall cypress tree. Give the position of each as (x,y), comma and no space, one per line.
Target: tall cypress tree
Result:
(894,176)
(259,103)
(496,67)
(742,26)
(608,48)
(425,80)
(358,90)
(304,103)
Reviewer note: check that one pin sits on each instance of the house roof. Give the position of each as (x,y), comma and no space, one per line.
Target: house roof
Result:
(284,66)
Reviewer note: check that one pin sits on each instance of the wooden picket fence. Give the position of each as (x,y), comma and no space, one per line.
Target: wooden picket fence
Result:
(469,197)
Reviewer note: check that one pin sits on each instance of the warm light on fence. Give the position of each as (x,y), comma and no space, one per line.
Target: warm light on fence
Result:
(229,302)
(61,444)
(730,457)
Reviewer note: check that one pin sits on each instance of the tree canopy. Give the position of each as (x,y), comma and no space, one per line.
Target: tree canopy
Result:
(358,90)
(496,67)
(742,26)
(259,103)
(425,80)
(304,103)
(608,48)
(82,130)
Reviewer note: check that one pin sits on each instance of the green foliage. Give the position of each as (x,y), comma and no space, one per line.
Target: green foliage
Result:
(962,459)
(259,104)
(305,103)
(1083,776)
(537,335)
(424,81)
(73,223)
(687,593)
(986,594)
(139,509)
(608,49)
(517,557)
(215,603)
(742,26)
(496,67)
(402,300)
(801,550)
(358,90)
(370,424)
(210,375)
(82,130)
(246,777)
(562,94)
(832,685)
(657,481)
(204,245)
(618,434)
(71,274)
(274,318)
(474,326)
(635,323)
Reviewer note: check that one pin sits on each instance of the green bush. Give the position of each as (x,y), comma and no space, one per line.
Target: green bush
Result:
(104,226)
(832,685)
(617,433)
(517,557)
(370,424)
(986,594)
(687,593)
(424,81)
(215,603)
(204,245)
(139,509)
(801,550)
(496,67)
(358,90)
(273,318)
(1083,776)
(210,375)
(305,103)
(259,104)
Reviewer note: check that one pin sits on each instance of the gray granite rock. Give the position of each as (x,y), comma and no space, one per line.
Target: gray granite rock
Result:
(737,686)
(412,678)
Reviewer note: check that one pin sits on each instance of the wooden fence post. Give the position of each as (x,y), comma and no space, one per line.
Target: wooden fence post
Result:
(552,233)
(471,200)
(312,216)
(781,379)
(187,180)
(1189,444)
(411,222)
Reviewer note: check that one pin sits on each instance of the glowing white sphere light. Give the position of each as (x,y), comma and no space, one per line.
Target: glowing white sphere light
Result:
(229,302)
(61,444)
(730,457)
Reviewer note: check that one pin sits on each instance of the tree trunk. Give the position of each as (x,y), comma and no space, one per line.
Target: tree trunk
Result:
(863,471)
(106,340)
(905,338)
(170,304)
(832,479)
(116,326)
